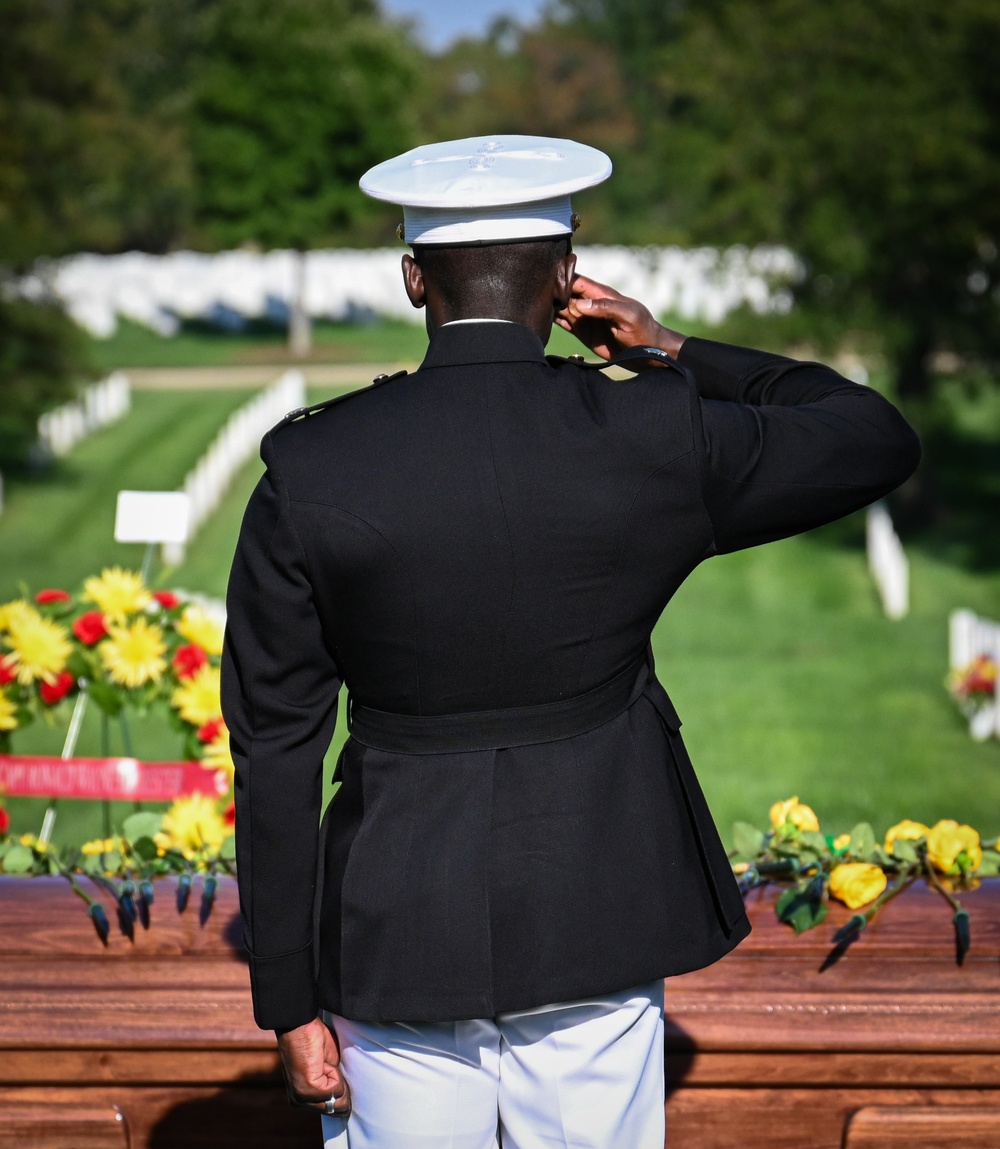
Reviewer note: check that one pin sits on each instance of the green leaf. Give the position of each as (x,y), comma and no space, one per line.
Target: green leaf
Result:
(863,841)
(815,842)
(142,825)
(990,866)
(106,697)
(905,850)
(145,847)
(18,859)
(800,908)
(227,850)
(748,840)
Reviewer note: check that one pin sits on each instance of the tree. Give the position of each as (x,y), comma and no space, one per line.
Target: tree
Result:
(551,80)
(863,134)
(292,102)
(92,150)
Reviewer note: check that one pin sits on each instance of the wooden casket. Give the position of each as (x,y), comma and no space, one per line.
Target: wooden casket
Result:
(151,1043)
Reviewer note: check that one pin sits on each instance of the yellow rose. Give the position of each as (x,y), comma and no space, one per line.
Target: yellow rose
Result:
(856,883)
(905,831)
(842,841)
(947,840)
(792,810)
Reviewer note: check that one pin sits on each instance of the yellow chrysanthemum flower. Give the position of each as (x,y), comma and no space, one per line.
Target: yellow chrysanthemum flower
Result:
(101,846)
(218,756)
(8,713)
(199,627)
(946,840)
(199,700)
(13,610)
(794,811)
(857,883)
(193,824)
(39,648)
(134,655)
(117,593)
(905,831)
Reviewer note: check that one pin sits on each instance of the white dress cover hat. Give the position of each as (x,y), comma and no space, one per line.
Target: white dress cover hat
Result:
(487,189)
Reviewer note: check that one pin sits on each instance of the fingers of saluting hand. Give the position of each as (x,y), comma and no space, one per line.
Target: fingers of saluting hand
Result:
(585,288)
(605,320)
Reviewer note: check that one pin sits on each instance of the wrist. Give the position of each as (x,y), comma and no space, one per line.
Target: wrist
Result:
(668,340)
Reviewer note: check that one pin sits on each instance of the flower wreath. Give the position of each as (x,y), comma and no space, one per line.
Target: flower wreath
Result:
(127,646)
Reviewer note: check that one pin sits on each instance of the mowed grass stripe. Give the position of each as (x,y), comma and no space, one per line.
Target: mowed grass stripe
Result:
(59,528)
(791,681)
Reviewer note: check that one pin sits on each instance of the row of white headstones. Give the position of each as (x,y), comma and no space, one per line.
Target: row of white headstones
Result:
(237,441)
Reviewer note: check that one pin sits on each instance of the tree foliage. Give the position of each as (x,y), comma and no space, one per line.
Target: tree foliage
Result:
(291,103)
(42,355)
(865,135)
(92,142)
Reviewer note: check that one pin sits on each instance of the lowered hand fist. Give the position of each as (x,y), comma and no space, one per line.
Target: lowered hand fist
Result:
(310,1057)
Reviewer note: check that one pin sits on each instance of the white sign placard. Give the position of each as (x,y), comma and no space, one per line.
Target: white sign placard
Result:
(152,517)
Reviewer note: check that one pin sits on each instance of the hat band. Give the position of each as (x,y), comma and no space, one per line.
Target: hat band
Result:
(538,220)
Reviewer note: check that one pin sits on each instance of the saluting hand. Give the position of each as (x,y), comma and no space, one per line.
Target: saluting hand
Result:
(311,1059)
(608,322)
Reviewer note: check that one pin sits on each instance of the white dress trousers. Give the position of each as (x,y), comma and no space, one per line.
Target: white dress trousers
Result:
(575,1075)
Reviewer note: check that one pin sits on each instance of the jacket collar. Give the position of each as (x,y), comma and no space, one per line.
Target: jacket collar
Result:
(482,341)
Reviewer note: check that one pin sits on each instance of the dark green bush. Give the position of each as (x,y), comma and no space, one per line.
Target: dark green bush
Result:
(44,358)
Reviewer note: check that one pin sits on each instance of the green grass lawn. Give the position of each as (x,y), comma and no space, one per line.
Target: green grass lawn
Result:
(198,346)
(387,341)
(788,678)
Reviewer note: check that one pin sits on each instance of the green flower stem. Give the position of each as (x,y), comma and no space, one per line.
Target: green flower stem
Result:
(859,920)
(74,884)
(935,881)
(907,875)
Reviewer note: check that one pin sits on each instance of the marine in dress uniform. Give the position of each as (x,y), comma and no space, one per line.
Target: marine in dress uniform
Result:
(519,850)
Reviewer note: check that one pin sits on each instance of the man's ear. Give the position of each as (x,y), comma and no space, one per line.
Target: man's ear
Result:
(563,286)
(413,281)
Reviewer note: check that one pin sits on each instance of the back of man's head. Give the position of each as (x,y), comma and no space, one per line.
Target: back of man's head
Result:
(493,281)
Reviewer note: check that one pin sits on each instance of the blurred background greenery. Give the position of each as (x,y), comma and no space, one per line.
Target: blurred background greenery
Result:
(865,136)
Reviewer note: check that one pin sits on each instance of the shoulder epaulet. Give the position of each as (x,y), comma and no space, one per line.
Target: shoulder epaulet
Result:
(300,412)
(637,355)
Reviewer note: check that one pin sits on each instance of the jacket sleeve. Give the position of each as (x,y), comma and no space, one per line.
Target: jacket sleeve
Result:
(786,445)
(279,700)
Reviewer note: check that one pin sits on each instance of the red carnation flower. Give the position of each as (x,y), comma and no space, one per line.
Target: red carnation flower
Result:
(52,595)
(211,730)
(229,816)
(51,692)
(189,660)
(4,820)
(7,673)
(89,628)
(167,599)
